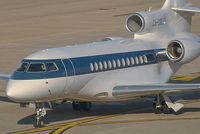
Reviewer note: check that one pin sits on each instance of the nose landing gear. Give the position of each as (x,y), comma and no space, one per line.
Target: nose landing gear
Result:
(40,113)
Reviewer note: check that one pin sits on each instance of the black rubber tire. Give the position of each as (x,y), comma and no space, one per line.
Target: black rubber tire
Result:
(156,110)
(165,109)
(38,122)
(35,123)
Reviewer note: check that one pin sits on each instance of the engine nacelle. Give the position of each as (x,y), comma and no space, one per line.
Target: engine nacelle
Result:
(143,22)
(184,49)
(135,23)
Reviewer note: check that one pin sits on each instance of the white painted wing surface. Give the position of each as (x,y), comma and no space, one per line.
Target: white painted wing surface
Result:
(187,9)
(129,91)
(5,76)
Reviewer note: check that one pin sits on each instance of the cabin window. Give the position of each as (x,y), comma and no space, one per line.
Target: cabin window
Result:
(114,63)
(141,60)
(96,66)
(51,67)
(136,60)
(118,63)
(105,65)
(22,67)
(127,61)
(132,61)
(91,67)
(123,62)
(109,64)
(100,65)
(37,67)
(145,58)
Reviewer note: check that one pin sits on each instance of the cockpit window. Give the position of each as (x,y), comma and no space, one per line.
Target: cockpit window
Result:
(22,67)
(37,67)
(51,67)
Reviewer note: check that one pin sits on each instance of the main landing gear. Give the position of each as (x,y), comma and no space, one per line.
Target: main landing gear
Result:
(163,104)
(40,113)
(78,106)
(160,106)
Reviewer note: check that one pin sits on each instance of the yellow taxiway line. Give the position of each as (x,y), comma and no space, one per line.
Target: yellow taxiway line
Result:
(63,126)
(60,128)
(142,120)
(76,123)
(184,78)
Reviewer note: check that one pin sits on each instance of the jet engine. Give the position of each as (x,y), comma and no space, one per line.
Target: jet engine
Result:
(143,22)
(184,49)
(135,23)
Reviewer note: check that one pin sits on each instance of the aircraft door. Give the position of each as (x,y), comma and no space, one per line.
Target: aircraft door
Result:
(70,73)
(55,77)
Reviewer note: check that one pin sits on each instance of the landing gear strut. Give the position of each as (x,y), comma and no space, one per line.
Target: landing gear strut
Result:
(40,113)
(160,105)
(85,106)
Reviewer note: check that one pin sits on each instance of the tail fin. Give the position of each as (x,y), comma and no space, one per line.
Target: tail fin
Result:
(181,6)
(182,12)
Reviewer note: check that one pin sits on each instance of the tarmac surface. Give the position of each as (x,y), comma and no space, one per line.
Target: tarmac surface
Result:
(27,26)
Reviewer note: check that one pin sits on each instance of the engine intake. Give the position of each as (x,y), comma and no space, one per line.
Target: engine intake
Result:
(135,23)
(184,48)
(175,51)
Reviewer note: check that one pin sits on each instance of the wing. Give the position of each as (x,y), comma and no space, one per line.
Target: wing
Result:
(5,76)
(125,92)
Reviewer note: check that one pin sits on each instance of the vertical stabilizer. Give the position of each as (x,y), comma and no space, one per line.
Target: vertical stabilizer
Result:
(175,3)
(180,13)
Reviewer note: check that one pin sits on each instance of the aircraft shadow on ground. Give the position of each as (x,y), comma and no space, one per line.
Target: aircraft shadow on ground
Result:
(64,112)
(5,99)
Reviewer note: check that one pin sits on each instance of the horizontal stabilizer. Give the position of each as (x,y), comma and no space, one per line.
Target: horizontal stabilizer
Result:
(187,9)
(5,76)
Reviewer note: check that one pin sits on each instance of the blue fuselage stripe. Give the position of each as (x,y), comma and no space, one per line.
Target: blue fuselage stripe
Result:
(92,64)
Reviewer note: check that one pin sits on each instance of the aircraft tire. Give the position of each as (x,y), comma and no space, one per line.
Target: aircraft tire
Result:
(38,122)
(165,109)
(156,110)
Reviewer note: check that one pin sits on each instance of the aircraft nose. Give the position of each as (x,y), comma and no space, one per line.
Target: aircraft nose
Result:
(27,90)
(12,92)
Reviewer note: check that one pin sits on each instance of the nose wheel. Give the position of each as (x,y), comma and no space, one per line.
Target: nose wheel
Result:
(40,113)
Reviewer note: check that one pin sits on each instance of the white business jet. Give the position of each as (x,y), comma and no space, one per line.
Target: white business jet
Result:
(115,69)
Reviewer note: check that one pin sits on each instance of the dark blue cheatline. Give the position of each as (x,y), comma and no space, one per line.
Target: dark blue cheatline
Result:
(82,65)
(91,64)
(41,75)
